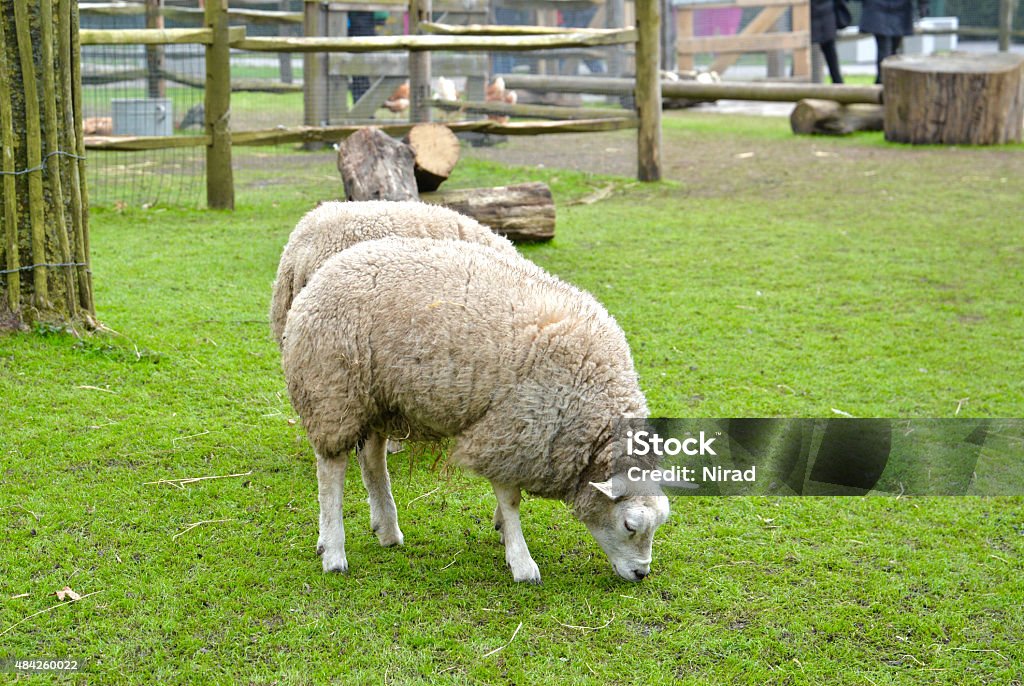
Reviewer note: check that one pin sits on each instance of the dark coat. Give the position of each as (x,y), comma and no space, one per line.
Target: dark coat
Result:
(823,21)
(888,17)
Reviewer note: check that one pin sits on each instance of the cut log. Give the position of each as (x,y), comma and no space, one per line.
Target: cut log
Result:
(435,150)
(830,118)
(960,98)
(524,212)
(375,166)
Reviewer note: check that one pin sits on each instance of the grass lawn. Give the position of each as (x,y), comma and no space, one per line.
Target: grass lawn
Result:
(772,276)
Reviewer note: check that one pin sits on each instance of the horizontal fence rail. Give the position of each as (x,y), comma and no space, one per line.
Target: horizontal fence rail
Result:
(219,38)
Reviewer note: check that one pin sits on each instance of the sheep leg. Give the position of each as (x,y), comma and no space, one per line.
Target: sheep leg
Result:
(498,521)
(517,554)
(330,477)
(373,464)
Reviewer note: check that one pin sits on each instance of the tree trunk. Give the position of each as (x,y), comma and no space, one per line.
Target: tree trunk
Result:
(44,254)
(436,152)
(525,212)
(374,166)
(961,98)
(831,118)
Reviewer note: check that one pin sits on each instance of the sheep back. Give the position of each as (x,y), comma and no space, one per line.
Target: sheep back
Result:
(334,226)
(431,339)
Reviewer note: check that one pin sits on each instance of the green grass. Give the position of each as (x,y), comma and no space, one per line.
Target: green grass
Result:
(874,279)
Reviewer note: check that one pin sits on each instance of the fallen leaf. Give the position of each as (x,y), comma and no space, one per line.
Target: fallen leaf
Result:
(66,592)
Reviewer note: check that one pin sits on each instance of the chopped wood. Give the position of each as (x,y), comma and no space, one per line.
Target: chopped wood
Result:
(523,212)
(435,152)
(375,166)
(955,99)
(830,118)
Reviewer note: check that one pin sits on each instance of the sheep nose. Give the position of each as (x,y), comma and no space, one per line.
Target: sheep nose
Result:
(641,573)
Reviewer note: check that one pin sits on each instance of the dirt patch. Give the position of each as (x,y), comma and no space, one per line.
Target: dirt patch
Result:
(765,162)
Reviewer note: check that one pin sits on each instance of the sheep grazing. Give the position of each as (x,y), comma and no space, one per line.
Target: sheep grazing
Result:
(334,226)
(431,339)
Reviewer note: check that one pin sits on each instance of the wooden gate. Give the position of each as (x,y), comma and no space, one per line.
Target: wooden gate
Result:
(756,36)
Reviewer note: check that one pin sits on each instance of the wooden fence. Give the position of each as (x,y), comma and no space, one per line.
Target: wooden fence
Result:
(219,38)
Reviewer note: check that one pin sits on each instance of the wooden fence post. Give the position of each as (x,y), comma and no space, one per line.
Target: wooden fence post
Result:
(1006,8)
(419,65)
(314,70)
(220,186)
(648,91)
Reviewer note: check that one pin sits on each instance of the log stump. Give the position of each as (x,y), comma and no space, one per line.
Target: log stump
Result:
(524,212)
(960,98)
(374,166)
(830,118)
(436,152)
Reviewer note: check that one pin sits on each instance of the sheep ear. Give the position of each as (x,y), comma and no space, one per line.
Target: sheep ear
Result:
(609,488)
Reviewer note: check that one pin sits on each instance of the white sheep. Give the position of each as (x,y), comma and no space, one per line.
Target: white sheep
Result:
(334,226)
(434,339)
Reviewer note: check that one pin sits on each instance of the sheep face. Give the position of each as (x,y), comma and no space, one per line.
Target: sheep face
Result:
(624,528)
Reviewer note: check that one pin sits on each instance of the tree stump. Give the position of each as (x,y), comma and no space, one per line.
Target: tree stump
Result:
(525,212)
(961,98)
(436,152)
(374,166)
(830,118)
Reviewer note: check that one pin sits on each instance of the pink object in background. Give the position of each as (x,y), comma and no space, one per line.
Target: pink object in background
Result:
(717,22)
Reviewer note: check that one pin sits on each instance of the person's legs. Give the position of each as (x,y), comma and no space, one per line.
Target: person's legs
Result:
(881,52)
(828,49)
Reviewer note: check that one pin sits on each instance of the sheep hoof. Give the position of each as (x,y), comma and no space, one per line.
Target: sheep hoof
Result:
(335,563)
(390,539)
(525,572)
(320,548)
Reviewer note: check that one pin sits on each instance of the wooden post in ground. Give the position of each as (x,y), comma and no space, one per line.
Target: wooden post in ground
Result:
(419,65)
(615,18)
(1006,8)
(285,58)
(648,90)
(220,185)
(314,70)
(802,56)
(156,87)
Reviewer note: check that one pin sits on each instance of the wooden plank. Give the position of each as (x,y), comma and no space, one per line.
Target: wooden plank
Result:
(731,90)
(528,111)
(441,29)
(737,3)
(145,142)
(764,20)
(375,96)
(648,90)
(802,54)
(684,34)
(185,14)
(397,63)
(751,43)
(466,6)
(426,42)
(145,36)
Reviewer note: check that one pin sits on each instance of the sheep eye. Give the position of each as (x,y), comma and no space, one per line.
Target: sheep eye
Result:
(629,527)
